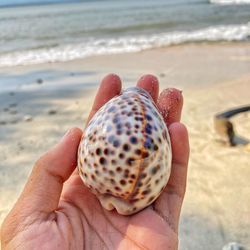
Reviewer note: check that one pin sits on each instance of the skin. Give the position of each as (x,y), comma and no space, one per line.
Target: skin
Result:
(56,211)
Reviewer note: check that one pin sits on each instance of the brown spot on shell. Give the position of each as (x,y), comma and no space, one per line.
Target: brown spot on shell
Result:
(121,156)
(98,151)
(119,169)
(145,192)
(130,161)
(111,172)
(151,199)
(106,151)
(123,182)
(154,170)
(112,181)
(103,161)
(126,147)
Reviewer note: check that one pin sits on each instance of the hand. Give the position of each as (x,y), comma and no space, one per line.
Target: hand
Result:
(56,211)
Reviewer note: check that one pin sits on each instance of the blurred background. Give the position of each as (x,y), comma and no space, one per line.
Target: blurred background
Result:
(51,33)
(53,55)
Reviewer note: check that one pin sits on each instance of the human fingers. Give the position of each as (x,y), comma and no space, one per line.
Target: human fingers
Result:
(170,104)
(150,84)
(43,188)
(110,87)
(168,205)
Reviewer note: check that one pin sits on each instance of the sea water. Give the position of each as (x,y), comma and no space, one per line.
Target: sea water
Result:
(32,33)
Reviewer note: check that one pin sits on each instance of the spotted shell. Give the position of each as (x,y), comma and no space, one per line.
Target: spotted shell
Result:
(125,154)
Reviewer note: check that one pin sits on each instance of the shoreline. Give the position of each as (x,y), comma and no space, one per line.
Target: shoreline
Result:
(204,44)
(232,59)
(42,101)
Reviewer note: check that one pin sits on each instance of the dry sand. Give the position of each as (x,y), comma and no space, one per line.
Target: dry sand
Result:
(35,114)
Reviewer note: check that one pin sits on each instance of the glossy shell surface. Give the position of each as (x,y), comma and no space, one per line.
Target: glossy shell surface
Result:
(125,154)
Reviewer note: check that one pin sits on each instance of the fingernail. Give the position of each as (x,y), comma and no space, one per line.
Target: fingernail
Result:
(66,134)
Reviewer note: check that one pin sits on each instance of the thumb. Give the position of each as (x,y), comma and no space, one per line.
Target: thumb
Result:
(44,186)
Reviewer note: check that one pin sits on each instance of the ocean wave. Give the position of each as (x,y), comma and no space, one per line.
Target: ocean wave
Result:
(230,1)
(94,47)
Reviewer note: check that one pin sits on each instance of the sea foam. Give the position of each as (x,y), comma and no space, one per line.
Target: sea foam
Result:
(126,44)
(230,1)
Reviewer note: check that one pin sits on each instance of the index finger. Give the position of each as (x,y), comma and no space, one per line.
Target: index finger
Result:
(170,104)
(110,87)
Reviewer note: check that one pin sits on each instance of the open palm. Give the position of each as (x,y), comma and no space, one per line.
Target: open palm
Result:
(56,211)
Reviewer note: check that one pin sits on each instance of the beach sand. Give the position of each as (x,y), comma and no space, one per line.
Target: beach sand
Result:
(40,102)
